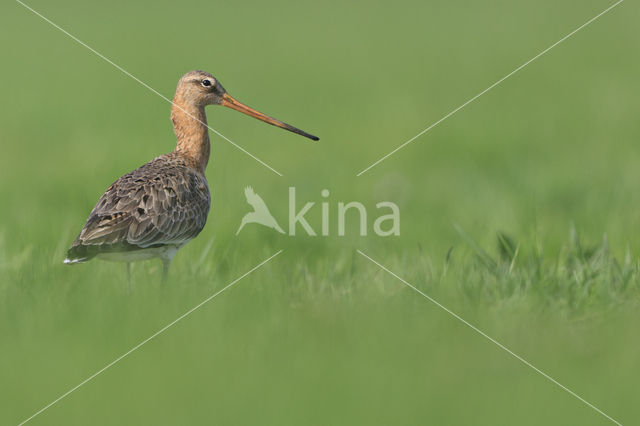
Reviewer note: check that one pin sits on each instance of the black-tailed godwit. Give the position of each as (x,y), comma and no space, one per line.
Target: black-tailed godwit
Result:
(156,209)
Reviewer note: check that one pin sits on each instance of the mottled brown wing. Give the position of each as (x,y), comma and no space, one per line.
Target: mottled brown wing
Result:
(162,202)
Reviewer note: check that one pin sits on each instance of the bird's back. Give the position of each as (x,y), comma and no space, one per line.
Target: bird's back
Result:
(163,203)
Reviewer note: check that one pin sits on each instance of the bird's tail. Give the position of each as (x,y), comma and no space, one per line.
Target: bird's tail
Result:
(78,253)
(68,261)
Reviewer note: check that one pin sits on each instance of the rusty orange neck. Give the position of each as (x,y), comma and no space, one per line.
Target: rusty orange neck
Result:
(190,127)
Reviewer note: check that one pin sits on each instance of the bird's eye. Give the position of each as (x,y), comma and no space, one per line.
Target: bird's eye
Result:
(206,83)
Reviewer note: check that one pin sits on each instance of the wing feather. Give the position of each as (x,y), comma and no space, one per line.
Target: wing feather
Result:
(162,202)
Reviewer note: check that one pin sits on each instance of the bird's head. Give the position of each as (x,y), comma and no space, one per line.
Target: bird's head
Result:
(201,89)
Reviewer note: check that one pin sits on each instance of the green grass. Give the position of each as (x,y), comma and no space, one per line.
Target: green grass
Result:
(519,213)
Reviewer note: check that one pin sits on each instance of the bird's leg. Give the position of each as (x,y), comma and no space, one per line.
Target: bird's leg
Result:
(165,269)
(128,277)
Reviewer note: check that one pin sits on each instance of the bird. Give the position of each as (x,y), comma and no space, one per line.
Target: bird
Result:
(260,213)
(154,210)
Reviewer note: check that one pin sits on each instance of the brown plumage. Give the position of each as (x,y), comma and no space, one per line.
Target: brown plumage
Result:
(156,209)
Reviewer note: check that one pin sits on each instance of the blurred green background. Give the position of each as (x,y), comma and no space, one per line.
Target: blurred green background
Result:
(520,213)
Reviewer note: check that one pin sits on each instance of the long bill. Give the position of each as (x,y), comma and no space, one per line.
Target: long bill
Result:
(232,103)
